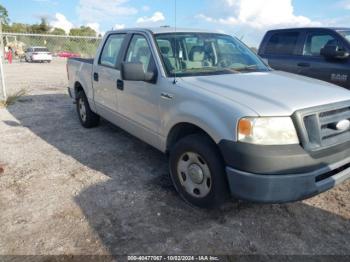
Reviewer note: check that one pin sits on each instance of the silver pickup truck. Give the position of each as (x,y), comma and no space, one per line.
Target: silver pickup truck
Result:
(231,125)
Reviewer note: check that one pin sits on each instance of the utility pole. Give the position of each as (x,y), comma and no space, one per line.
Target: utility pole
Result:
(3,96)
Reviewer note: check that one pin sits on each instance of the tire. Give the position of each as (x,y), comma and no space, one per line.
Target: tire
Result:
(190,161)
(88,119)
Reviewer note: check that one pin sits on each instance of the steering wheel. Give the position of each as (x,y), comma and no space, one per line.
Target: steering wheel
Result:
(224,62)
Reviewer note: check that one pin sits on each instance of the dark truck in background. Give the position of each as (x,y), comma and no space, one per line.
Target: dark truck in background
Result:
(321,53)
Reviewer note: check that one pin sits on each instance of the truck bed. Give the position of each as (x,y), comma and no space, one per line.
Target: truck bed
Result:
(83,60)
(80,71)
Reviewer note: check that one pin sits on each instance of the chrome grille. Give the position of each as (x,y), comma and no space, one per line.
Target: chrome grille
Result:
(317,126)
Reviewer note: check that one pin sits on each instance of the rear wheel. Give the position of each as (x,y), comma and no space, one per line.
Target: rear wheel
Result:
(198,172)
(87,118)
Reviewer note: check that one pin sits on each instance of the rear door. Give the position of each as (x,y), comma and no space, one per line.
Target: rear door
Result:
(312,64)
(105,74)
(281,50)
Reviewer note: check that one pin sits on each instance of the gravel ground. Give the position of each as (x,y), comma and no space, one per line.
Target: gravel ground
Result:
(68,190)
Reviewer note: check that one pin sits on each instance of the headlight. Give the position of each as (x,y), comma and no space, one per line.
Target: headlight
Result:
(267,131)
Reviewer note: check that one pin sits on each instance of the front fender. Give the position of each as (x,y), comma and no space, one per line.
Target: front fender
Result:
(216,125)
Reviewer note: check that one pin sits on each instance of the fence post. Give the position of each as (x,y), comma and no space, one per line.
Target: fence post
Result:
(3,96)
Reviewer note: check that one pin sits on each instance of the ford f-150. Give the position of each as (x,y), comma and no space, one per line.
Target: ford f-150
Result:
(231,125)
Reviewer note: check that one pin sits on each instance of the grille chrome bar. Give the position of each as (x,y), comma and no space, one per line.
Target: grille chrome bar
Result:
(325,120)
(317,126)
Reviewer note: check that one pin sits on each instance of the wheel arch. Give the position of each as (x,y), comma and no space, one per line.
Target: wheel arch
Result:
(181,130)
(78,87)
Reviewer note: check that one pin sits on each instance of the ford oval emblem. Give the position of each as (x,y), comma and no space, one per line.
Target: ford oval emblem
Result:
(343,125)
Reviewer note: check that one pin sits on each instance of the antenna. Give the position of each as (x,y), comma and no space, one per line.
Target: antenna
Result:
(175,41)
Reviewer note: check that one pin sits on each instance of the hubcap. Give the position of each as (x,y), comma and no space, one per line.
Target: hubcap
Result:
(82,110)
(194,174)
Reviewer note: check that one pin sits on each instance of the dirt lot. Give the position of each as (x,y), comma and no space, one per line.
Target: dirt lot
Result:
(67,190)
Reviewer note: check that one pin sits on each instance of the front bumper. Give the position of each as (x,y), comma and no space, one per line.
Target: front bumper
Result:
(41,58)
(279,174)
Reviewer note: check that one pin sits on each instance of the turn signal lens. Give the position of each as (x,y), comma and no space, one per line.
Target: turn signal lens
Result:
(245,127)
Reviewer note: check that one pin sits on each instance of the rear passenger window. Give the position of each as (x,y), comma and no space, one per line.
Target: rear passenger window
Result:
(282,43)
(315,42)
(111,50)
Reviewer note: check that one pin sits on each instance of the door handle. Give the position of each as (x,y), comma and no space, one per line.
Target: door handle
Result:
(96,77)
(167,96)
(120,84)
(303,64)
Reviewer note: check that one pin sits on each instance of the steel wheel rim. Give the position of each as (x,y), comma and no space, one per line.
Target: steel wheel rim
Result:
(82,110)
(194,174)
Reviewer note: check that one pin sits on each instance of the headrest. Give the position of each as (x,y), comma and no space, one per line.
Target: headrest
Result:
(197,53)
(164,50)
(143,51)
(331,42)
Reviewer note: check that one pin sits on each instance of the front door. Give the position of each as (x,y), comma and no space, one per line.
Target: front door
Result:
(138,102)
(313,64)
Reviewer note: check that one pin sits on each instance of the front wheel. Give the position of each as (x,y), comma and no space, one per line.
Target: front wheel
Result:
(87,118)
(198,172)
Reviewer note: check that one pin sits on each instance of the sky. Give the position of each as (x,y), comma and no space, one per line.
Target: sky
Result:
(246,19)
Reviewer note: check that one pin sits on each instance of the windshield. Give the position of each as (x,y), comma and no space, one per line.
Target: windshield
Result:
(345,34)
(189,54)
(41,49)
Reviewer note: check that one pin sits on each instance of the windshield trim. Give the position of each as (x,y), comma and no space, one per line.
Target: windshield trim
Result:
(224,71)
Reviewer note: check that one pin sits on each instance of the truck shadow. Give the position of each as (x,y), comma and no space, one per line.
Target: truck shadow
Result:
(137,211)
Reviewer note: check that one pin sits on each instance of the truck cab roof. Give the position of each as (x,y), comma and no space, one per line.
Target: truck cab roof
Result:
(311,28)
(161,30)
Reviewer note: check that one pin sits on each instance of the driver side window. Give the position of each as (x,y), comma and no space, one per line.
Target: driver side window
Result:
(315,42)
(140,52)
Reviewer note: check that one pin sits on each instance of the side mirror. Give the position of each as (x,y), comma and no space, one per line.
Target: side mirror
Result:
(135,72)
(334,52)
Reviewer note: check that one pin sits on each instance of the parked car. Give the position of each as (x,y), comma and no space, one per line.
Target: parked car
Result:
(38,54)
(321,53)
(229,123)
(66,54)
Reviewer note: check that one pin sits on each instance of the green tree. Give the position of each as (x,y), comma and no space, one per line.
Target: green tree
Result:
(58,31)
(4,15)
(18,28)
(42,28)
(83,31)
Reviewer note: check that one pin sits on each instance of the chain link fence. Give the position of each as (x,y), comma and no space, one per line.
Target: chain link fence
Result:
(59,45)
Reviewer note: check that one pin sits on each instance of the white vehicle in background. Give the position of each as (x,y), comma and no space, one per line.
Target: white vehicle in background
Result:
(38,54)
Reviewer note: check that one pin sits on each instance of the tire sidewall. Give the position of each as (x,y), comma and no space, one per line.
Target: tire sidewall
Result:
(208,151)
(82,96)
(92,119)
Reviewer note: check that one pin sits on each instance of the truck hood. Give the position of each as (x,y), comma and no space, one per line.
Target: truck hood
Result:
(272,93)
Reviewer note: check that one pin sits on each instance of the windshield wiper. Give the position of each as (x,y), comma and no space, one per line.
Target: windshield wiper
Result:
(246,68)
